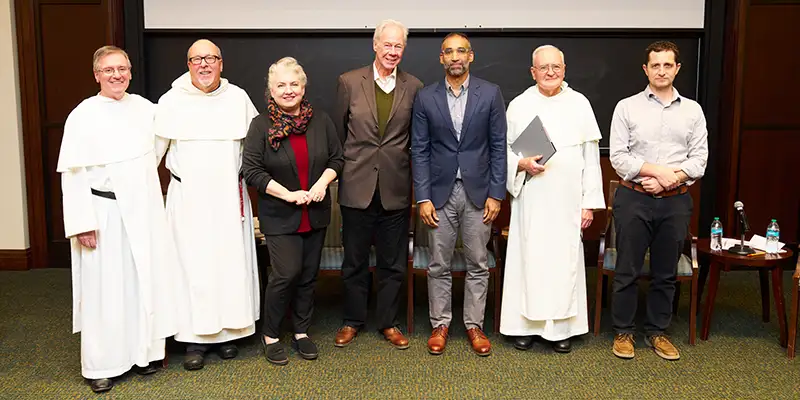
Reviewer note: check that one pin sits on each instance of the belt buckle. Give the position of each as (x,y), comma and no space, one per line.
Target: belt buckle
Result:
(657,196)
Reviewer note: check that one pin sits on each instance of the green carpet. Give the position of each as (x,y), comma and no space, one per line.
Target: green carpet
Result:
(40,358)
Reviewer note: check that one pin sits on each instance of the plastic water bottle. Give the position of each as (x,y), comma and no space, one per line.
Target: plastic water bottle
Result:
(773,234)
(716,235)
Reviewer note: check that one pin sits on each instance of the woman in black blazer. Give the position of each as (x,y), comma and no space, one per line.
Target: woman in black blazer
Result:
(291,154)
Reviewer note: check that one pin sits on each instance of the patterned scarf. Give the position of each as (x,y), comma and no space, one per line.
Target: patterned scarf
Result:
(284,124)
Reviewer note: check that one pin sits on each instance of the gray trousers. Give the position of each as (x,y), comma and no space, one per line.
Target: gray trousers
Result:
(458,213)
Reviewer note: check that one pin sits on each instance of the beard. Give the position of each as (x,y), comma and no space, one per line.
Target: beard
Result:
(457,69)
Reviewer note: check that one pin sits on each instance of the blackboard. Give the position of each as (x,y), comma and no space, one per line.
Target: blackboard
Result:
(606,66)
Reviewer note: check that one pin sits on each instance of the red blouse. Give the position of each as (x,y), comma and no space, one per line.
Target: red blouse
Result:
(300,147)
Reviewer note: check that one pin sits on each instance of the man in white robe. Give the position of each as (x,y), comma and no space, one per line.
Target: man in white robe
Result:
(544,291)
(123,253)
(203,120)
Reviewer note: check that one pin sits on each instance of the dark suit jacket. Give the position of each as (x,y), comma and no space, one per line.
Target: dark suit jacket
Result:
(370,160)
(261,164)
(481,153)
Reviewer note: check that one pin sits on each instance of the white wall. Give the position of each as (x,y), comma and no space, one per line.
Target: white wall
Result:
(355,14)
(13,205)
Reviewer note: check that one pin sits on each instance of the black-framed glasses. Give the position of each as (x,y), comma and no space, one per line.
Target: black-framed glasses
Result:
(210,59)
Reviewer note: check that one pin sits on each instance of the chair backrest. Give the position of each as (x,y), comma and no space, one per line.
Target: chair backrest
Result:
(610,232)
(333,235)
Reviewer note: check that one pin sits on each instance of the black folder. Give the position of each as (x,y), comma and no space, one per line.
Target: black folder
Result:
(533,141)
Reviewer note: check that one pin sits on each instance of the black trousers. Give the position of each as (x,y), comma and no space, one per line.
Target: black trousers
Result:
(643,222)
(389,229)
(295,262)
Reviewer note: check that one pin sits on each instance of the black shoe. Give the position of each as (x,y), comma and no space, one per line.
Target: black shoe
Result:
(523,342)
(275,352)
(306,348)
(562,346)
(227,351)
(101,385)
(149,369)
(193,361)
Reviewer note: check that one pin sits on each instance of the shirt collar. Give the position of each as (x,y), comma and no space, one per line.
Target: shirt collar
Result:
(377,77)
(464,85)
(675,95)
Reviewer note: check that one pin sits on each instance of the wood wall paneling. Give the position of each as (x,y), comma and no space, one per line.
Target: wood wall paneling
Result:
(56,40)
(771,67)
(15,260)
(768,181)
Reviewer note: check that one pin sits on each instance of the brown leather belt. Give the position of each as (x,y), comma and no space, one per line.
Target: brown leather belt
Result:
(667,193)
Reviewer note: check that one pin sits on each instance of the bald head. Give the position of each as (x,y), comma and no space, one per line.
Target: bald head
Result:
(204,60)
(203,47)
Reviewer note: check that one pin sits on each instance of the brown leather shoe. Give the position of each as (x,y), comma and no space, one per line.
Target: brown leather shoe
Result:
(396,338)
(663,347)
(438,340)
(623,345)
(480,343)
(345,336)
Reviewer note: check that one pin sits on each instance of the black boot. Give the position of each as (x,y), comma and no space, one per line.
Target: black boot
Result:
(101,385)
(227,351)
(149,369)
(562,346)
(193,361)
(523,342)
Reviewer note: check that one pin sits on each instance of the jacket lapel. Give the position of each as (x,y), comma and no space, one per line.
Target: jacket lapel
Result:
(440,99)
(288,152)
(368,84)
(311,144)
(399,92)
(472,101)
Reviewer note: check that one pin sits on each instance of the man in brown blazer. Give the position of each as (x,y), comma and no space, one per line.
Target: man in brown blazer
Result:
(372,117)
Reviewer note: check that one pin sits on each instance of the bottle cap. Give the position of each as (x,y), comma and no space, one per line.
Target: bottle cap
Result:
(774,220)
(716,218)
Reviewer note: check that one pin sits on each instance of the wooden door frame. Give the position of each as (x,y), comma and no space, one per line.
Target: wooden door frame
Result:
(28,51)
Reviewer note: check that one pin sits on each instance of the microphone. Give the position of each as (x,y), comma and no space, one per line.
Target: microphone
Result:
(741,249)
(739,206)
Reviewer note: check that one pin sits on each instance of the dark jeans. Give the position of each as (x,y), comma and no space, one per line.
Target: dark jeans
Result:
(390,232)
(295,262)
(643,222)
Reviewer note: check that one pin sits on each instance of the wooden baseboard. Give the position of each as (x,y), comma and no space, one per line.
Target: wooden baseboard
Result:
(15,260)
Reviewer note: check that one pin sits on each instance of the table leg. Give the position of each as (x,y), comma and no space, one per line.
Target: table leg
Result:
(702,278)
(777,291)
(712,294)
(764,279)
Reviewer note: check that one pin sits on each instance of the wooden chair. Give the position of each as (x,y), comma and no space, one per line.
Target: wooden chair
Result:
(332,250)
(419,256)
(790,348)
(606,262)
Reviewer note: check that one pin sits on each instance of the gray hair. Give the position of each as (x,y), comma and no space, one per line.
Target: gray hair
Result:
(386,23)
(105,51)
(545,47)
(286,63)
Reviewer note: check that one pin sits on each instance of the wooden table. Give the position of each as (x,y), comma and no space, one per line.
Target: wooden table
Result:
(724,261)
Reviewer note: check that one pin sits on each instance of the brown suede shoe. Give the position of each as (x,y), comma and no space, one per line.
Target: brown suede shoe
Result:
(480,343)
(623,345)
(396,338)
(438,340)
(663,347)
(345,336)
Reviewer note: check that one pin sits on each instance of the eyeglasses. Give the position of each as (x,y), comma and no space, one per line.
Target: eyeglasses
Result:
(397,47)
(461,51)
(210,59)
(108,71)
(555,67)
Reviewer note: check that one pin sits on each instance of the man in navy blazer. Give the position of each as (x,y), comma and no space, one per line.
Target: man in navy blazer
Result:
(458,153)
